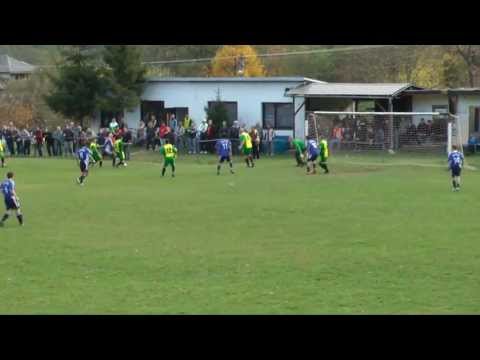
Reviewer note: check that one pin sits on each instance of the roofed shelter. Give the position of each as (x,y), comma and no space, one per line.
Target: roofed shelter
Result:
(14,69)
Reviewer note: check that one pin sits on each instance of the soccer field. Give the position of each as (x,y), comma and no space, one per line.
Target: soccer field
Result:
(376,236)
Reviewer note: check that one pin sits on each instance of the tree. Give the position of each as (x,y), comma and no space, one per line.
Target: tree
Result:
(218,113)
(122,79)
(227,62)
(75,89)
(23,102)
(471,55)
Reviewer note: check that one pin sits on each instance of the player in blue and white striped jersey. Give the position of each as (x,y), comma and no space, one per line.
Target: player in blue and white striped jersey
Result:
(455,164)
(312,154)
(12,202)
(84,155)
(224,152)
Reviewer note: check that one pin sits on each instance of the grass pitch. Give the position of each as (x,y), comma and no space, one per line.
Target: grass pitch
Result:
(376,236)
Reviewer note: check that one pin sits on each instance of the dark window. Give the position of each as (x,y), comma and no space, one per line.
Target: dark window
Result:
(152,108)
(477,119)
(231,107)
(279,115)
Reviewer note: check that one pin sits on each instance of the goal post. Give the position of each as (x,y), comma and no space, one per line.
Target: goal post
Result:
(432,132)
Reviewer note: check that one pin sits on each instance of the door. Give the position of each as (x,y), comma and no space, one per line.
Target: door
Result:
(474,120)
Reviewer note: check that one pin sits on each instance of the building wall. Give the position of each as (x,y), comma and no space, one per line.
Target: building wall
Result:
(196,95)
(463,112)
(425,103)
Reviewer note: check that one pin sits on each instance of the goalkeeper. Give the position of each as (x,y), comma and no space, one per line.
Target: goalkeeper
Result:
(300,150)
(96,156)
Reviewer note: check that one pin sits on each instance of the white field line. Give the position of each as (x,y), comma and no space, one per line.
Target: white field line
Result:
(469,167)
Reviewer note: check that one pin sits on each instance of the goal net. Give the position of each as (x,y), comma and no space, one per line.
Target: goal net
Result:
(381,131)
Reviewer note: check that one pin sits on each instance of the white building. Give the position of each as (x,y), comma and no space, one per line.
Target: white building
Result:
(283,102)
(251,101)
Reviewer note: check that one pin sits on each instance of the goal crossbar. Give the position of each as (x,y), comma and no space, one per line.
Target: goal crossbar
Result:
(378,113)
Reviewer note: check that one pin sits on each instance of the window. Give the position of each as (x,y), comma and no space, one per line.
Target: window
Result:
(231,107)
(279,115)
(477,120)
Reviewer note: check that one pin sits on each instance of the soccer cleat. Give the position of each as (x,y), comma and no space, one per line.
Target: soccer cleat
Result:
(173,175)
(232,172)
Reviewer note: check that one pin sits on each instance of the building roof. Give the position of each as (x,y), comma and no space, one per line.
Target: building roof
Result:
(374,90)
(10,65)
(297,79)
(465,91)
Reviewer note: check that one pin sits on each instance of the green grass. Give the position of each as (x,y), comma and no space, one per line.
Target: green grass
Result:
(376,236)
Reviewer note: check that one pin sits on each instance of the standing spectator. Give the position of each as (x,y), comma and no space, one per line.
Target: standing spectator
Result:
(39,139)
(151,135)
(7,133)
(113,126)
(163,130)
(269,137)
(429,129)
(380,137)
(141,133)
(211,137)
(186,125)
(127,142)
(68,140)
(173,123)
(26,141)
(49,142)
(234,136)
(202,136)
(18,140)
(224,131)
(191,132)
(255,142)
(337,136)
(422,131)
(76,136)
(58,141)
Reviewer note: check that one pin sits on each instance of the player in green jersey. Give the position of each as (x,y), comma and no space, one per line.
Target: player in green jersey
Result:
(118,147)
(2,152)
(300,149)
(323,154)
(246,147)
(96,156)
(169,153)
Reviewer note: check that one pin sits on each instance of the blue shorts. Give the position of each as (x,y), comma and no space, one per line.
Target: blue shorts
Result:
(312,157)
(224,158)
(83,167)
(11,204)
(456,171)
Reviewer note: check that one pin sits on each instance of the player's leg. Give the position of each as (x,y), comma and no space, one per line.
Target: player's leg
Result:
(164,168)
(230,163)
(2,158)
(19,216)
(323,164)
(113,158)
(219,165)
(5,217)
(251,159)
(172,164)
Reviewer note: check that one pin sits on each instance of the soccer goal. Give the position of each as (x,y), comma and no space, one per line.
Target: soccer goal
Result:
(387,131)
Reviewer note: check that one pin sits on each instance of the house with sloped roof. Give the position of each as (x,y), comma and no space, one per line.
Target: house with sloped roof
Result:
(13,69)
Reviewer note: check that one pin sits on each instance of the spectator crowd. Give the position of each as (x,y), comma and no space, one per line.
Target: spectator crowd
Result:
(192,138)
(186,134)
